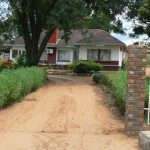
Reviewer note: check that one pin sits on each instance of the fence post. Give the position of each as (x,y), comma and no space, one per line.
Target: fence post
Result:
(134,116)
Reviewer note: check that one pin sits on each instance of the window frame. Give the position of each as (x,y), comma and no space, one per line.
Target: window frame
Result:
(59,60)
(104,50)
(91,50)
(98,54)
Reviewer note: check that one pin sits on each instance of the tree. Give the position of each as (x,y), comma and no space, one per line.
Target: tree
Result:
(34,16)
(139,12)
(144,17)
(31,17)
(102,21)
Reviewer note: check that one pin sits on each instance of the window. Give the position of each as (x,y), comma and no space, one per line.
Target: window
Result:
(14,53)
(105,55)
(64,55)
(49,50)
(93,54)
(99,55)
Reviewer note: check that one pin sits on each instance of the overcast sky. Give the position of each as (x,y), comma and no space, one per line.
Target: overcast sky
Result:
(128,40)
(128,26)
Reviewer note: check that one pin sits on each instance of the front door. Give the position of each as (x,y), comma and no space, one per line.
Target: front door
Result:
(52,57)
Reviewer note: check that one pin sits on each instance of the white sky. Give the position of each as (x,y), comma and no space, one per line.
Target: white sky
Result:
(128,40)
(128,26)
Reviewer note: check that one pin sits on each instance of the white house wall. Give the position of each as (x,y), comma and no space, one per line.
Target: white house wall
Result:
(44,56)
(116,54)
(120,57)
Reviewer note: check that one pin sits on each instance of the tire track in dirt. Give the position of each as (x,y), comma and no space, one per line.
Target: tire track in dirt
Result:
(66,114)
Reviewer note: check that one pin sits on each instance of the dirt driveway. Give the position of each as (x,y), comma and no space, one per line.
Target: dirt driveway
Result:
(66,114)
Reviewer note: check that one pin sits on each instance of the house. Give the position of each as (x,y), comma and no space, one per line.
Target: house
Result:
(87,44)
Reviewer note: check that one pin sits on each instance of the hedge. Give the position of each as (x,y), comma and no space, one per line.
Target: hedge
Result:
(16,83)
(117,83)
(85,67)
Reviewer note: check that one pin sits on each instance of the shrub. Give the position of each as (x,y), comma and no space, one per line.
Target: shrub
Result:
(21,61)
(81,68)
(99,77)
(117,83)
(15,84)
(125,64)
(94,67)
(85,67)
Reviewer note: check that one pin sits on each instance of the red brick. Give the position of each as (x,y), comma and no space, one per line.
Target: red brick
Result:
(135,89)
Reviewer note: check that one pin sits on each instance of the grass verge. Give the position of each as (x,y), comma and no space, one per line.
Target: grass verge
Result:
(15,84)
(117,84)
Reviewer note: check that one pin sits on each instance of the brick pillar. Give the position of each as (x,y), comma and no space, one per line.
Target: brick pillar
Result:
(135,89)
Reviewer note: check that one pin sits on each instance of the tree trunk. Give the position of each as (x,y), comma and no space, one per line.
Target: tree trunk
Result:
(32,58)
(33,52)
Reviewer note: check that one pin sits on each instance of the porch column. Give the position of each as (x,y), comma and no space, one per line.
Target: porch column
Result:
(10,54)
(120,57)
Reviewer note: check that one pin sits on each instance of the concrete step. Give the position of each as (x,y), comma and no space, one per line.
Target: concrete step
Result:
(144,140)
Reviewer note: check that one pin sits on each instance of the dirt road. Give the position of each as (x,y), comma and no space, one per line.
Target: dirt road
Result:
(66,114)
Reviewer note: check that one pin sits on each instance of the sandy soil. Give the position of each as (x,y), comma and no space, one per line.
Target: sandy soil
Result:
(148,71)
(67,114)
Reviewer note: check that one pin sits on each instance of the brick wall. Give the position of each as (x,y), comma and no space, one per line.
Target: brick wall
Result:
(135,89)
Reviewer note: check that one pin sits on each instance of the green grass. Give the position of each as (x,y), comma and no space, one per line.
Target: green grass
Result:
(16,83)
(117,83)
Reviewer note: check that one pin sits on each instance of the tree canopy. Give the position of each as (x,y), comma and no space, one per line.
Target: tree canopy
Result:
(28,18)
(139,12)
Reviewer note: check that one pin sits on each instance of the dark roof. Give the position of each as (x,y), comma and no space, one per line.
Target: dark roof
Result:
(81,37)
(20,40)
(91,37)
(75,36)
(101,38)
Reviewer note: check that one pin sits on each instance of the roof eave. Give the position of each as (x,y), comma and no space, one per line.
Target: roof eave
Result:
(94,44)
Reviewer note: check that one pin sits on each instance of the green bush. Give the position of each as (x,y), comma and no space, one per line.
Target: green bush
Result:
(85,67)
(81,68)
(21,61)
(147,94)
(94,67)
(125,64)
(117,83)
(15,84)
(99,77)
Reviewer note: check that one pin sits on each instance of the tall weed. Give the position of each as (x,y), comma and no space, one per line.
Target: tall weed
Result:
(15,84)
